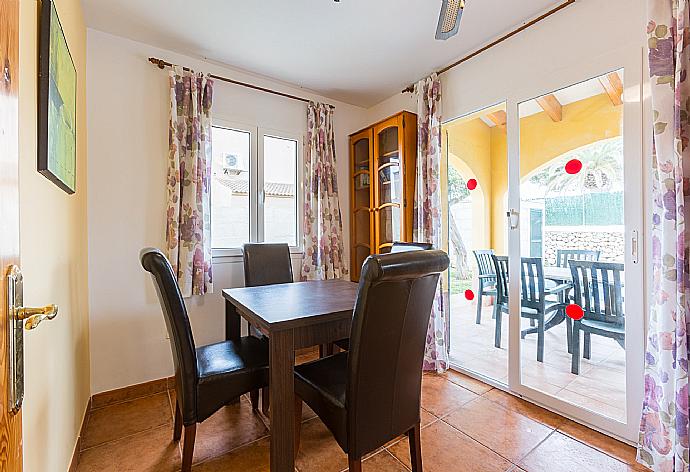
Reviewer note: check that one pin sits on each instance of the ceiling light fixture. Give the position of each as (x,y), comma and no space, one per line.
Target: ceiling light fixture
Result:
(449,19)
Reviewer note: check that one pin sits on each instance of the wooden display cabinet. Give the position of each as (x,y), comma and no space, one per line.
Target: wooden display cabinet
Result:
(382,184)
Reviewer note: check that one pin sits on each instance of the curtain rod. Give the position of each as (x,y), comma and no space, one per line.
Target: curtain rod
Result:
(163,64)
(500,40)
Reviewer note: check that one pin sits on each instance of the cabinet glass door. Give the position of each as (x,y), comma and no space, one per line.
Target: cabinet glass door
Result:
(389,187)
(361,200)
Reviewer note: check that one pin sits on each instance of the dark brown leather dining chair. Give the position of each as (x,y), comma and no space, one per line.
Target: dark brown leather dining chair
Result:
(265,264)
(370,394)
(397,247)
(207,377)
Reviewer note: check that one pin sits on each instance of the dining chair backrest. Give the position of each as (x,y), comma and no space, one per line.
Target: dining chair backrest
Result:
(484,262)
(598,289)
(399,246)
(565,255)
(532,286)
(177,323)
(266,264)
(500,264)
(387,341)
(532,283)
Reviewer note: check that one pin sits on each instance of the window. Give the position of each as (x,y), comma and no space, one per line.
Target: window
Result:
(254,187)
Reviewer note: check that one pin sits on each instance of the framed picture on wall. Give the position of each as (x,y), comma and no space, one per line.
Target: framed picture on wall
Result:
(57,103)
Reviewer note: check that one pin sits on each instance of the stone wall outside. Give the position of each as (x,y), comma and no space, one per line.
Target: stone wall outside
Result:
(610,243)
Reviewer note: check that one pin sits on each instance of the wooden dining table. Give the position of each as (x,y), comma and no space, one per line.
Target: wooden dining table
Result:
(293,316)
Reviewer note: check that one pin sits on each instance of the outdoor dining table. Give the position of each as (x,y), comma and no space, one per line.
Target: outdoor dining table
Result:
(293,316)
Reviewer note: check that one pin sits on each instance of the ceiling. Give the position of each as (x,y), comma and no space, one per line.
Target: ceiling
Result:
(356,51)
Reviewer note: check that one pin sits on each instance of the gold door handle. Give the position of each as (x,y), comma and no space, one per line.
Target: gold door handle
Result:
(34,316)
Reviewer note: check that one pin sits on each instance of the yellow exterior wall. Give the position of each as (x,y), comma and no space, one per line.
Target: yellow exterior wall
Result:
(469,151)
(584,122)
(478,151)
(54,263)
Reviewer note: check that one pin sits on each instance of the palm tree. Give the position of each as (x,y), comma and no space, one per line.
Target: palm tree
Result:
(602,169)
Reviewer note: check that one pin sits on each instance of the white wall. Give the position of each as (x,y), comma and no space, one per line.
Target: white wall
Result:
(128,131)
(54,262)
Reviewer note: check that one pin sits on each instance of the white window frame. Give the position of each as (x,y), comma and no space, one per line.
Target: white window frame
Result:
(256,183)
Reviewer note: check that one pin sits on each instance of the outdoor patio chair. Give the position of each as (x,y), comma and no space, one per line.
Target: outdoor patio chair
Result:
(565,255)
(487,278)
(533,302)
(598,289)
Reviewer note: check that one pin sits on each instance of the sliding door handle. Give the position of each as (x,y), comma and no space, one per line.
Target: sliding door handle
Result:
(513,218)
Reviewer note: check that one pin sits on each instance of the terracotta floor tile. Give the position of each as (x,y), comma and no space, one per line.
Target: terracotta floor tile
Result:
(440,396)
(229,428)
(445,449)
(382,462)
(116,421)
(148,451)
(473,385)
(526,408)
(319,451)
(426,419)
(254,457)
(506,432)
(560,453)
(612,447)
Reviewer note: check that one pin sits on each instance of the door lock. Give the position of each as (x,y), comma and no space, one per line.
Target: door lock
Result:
(19,318)
(513,218)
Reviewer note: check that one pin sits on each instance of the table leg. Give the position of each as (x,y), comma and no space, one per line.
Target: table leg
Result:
(282,390)
(232,322)
(232,331)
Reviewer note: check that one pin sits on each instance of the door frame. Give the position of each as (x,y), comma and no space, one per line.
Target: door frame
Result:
(635,160)
(637,151)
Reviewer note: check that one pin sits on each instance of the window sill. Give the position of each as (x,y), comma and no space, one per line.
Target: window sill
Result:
(233,256)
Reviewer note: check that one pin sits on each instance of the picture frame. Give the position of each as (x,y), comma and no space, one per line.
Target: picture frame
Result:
(57,103)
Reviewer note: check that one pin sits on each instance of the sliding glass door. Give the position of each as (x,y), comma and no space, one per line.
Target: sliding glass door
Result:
(477,161)
(544,229)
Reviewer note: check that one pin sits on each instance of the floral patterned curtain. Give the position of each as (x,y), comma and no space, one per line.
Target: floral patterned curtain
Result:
(188,233)
(323,227)
(427,208)
(663,443)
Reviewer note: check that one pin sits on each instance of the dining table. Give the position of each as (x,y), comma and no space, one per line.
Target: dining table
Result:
(292,316)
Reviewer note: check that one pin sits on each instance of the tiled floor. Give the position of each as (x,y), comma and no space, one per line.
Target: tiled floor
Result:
(599,387)
(467,426)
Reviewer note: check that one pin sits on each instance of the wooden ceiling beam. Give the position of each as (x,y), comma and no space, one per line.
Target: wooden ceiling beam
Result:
(552,107)
(613,85)
(499,118)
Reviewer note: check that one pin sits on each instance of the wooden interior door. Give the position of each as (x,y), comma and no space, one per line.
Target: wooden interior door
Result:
(10,424)
(389,188)
(362,200)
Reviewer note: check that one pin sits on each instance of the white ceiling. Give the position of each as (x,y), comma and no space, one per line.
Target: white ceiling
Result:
(357,51)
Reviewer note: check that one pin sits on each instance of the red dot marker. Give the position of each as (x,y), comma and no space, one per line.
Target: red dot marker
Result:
(469,294)
(573,166)
(574,311)
(471,184)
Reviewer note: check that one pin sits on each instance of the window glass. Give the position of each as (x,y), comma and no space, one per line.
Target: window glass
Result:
(230,186)
(280,183)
